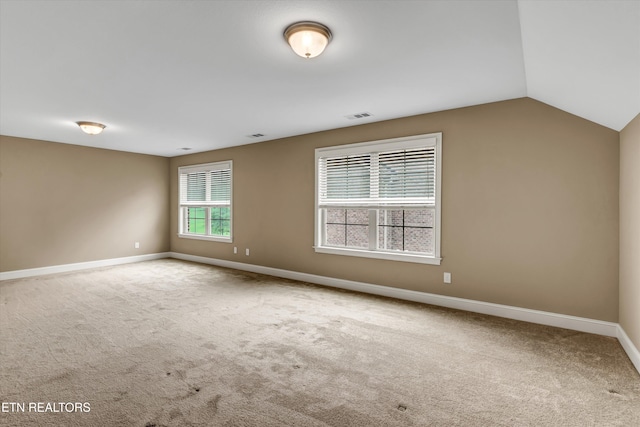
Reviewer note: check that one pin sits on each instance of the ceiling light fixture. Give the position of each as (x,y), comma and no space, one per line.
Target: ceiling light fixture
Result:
(91,128)
(307,39)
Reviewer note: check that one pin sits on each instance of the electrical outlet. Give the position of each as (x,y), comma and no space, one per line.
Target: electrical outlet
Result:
(136,245)
(235,250)
(447,277)
(246,251)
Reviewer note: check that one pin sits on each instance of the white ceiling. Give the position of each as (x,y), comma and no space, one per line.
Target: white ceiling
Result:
(163,75)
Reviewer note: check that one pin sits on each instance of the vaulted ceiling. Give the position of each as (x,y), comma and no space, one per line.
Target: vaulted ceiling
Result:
(167,75)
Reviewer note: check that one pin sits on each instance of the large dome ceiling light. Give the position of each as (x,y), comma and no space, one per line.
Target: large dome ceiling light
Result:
(91,128)
(307,39)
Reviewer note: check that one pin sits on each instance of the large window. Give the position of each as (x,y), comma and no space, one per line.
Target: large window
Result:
(380,199)
(205,201)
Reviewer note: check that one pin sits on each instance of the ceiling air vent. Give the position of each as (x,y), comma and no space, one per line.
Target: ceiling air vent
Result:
(359,116)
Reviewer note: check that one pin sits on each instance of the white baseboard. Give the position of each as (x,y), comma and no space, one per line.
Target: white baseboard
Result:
(534,316)
(18,274)
(627,344)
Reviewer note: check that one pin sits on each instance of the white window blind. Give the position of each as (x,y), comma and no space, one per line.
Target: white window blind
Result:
(387,177)
(220,186)
(346,178)
(407,175)
(205,185)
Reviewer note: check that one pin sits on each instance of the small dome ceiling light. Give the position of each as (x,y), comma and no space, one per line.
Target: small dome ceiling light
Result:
(307,39)
(91,128)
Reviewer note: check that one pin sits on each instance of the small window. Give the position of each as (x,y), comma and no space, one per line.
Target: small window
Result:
(380,199)
(205,201)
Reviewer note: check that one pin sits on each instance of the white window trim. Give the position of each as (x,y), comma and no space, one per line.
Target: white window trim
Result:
(415,141)
(228,164)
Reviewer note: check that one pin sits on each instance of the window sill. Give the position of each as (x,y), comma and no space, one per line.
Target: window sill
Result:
(209,238)
(403,257)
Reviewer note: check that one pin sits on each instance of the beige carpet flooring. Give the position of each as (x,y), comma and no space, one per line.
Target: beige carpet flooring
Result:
(172,343)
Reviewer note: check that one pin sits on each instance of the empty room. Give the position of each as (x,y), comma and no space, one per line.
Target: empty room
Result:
(319,213)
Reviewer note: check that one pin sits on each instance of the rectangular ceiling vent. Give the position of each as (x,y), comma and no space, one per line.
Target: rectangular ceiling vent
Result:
(359,116)
(256,135)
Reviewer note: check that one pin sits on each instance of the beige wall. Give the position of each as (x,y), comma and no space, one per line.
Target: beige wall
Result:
(530,208)
(630,230)
(62,204)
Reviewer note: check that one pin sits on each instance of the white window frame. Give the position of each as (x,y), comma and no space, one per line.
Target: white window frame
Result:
(182,205)
(416,141)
